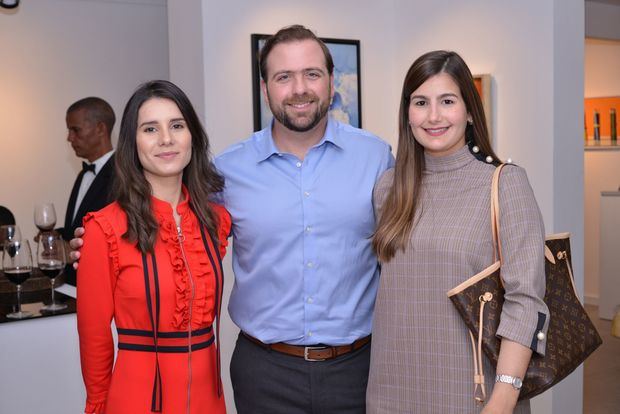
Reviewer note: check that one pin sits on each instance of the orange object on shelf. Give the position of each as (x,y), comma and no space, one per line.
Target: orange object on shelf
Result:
(603,106)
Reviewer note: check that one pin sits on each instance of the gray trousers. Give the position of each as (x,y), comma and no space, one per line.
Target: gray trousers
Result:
(269,382)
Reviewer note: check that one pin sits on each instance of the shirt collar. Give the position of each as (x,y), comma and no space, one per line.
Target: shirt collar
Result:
(100,162)
(266,147)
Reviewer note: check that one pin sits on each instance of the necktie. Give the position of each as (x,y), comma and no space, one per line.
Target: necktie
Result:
(88,167)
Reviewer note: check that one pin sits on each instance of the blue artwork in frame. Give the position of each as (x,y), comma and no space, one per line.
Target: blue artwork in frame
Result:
(347,103)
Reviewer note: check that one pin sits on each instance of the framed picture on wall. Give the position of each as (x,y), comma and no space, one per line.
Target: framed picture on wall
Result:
(347,103)
(483,85)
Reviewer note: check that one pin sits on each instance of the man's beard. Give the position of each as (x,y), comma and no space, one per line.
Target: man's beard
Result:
(289,122)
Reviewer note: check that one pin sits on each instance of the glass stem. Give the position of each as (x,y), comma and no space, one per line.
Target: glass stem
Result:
(53,282)
(19,298)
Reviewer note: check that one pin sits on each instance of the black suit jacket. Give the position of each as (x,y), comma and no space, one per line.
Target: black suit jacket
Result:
(99,195)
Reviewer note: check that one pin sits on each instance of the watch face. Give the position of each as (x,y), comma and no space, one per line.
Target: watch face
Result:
(517,383)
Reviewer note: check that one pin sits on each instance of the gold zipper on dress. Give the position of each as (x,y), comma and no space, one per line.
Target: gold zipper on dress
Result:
(181,238)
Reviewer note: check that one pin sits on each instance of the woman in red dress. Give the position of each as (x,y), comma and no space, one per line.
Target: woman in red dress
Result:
(151,262)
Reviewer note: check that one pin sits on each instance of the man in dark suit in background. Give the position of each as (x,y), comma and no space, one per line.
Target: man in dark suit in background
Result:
(89,123)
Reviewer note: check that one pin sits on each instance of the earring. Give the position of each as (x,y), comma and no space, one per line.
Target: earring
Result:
(470,121)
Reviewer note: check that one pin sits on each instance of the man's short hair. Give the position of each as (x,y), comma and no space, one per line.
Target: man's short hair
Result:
(295,33)
(97,110)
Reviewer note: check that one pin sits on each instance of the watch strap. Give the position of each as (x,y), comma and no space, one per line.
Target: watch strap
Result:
(516,382)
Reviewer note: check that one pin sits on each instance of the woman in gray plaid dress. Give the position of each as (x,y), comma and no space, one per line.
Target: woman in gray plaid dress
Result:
(433,233)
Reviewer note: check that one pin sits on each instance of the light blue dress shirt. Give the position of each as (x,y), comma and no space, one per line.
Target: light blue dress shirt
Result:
(305,272)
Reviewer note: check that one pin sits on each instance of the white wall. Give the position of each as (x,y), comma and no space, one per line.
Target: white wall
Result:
(602,168)
(601,67)
(52,53)
(533,92)
(567,158)
(187,64)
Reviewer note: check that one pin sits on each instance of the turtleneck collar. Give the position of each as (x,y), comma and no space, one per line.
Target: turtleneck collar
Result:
(459,159)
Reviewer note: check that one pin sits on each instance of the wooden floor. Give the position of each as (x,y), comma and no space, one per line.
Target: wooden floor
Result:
(601,377)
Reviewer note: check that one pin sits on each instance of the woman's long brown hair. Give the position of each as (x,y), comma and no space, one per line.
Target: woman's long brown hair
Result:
(396,217)
(133,191)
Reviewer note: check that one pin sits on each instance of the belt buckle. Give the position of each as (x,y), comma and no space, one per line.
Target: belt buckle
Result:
(310,348)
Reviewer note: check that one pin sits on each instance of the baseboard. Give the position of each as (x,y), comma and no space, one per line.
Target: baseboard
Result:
(591,300)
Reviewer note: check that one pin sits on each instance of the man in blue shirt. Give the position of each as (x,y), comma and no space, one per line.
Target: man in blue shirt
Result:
(300,196)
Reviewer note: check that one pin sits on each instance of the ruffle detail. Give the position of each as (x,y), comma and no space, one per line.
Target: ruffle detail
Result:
(110,237)
(201,272)
(94,408)
(224,226)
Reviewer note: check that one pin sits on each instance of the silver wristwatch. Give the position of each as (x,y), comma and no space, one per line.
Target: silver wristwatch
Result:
(516,382)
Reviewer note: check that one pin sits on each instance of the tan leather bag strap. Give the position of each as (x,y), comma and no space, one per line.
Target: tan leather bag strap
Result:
(497,253)
(480,393)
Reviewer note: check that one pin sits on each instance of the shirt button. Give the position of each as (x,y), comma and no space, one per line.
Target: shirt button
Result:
(307,194)
(298,164)
(310,300)
(540,336)
(308,229)
(310,264)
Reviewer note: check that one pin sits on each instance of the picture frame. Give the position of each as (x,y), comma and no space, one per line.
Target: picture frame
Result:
(347,103)
(483,85)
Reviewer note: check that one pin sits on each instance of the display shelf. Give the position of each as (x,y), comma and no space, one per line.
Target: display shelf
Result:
(602,145)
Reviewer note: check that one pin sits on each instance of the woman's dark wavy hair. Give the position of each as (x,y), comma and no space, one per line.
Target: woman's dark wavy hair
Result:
(133,192)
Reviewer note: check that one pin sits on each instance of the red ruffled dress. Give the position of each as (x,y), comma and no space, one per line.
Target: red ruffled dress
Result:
(155,370)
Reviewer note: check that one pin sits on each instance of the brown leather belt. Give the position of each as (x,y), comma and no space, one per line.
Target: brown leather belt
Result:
(311,353)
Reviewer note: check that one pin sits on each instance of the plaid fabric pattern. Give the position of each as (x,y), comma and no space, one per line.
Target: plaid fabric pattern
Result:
(421,359)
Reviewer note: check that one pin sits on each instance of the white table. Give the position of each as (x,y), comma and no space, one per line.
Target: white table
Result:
(609,255)
(40,365)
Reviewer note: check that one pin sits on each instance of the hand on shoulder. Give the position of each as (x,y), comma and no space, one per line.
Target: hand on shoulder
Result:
(76,244)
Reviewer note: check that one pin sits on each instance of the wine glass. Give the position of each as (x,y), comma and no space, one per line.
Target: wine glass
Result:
(45,216)
(17,266)
(51,259)
(9,232)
